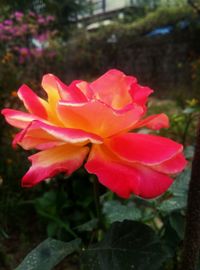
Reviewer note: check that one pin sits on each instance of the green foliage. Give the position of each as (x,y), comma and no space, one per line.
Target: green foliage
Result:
(50,206)
(62,207)
(177,199)
(161,16)
(10,5)
(177,222)
(127,245)
(48,254)
(116,211)
(66,11)
(166,215)
(88,226)
(150,211)
(183,117)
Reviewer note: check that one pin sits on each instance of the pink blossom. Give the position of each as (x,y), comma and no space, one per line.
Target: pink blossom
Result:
(97,123)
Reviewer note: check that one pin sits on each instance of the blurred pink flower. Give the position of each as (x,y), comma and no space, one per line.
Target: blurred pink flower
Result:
(37,52)
(32,14)
(8,22)
(18,15)
(50,18)
(41,20)
(24,54)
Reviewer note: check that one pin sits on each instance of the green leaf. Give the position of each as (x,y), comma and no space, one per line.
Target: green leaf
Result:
(177,222)
(170,237)
(189,151)
(180,185)
(48,254)
(116,211)
(88,226)
(127,245)
(173,204)
(179,191)
(52,229)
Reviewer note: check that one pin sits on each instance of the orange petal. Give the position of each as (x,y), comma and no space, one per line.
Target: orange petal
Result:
(50,85)
(97,117)
(41,135)
(113,88)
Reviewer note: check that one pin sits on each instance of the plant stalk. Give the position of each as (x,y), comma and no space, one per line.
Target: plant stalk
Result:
(97,198)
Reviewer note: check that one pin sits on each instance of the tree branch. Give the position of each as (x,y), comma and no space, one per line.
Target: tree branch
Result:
(191,247)
(194,5)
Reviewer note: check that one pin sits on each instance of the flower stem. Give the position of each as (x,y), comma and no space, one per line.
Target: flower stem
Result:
(191,246)
(97,198)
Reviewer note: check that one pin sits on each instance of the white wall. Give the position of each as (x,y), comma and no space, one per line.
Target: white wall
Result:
(116,4)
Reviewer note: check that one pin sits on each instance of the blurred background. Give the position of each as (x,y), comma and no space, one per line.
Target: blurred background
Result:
(158,41)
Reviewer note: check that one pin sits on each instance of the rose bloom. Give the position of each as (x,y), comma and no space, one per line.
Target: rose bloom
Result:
(96,124)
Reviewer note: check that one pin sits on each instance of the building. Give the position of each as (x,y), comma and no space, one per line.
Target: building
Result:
(104,11)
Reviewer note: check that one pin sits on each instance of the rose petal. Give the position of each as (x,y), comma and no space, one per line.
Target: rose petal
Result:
(173,165)
(53,87)
(37,139)
(111,173)
(143,148)
(46,164)
(125,178)
(34,104)
(50,85)
(113,88)
(39,135)
(57,90)
(140,94)
(152,183)
(85,89)
(96,117)
(18,119)
(72,93)
(155,122)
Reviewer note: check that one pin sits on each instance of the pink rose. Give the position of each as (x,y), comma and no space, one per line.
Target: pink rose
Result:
(97,123)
